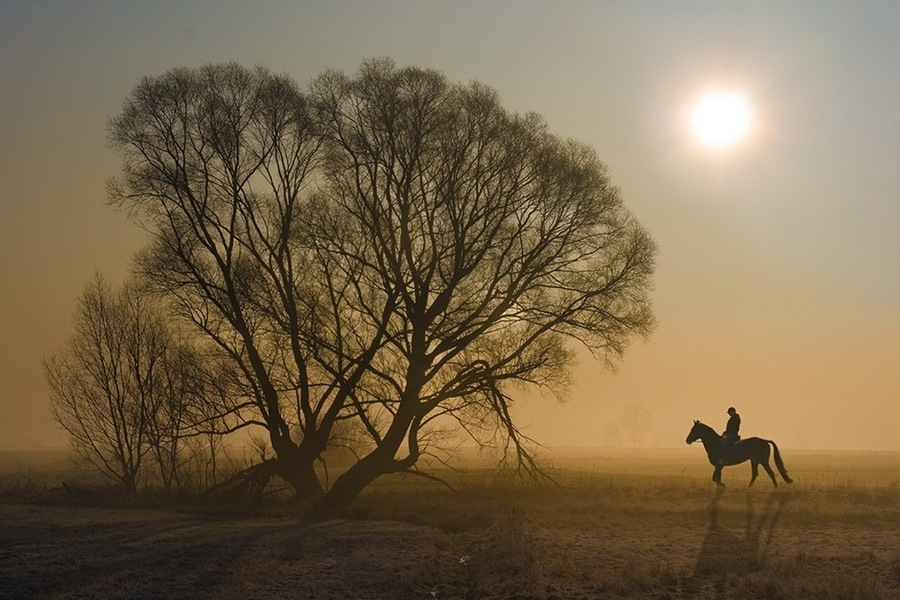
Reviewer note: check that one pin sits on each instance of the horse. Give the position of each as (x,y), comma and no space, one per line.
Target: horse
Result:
(754,449)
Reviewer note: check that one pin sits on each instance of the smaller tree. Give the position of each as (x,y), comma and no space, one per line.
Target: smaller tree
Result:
(120,385)
(215,411)
(181,389)
(635,419)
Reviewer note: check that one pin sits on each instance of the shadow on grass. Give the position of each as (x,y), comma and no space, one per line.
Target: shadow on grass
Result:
(738,544)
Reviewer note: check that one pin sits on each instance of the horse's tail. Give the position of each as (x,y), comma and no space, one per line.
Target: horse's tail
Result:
(779,464)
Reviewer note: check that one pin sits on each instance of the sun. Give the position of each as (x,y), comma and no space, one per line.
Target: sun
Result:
(720,119)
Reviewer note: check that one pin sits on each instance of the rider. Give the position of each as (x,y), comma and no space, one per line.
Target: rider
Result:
(731,437)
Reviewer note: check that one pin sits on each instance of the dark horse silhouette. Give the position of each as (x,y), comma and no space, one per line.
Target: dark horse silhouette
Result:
(754,449)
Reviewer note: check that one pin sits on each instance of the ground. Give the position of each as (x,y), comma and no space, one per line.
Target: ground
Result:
(82,552)
(613,528)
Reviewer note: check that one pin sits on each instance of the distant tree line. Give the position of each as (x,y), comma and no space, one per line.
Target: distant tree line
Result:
(367,265)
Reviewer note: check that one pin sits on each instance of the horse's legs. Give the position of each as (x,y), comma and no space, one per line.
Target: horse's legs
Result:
(770,472)
(717,476)
(754,466)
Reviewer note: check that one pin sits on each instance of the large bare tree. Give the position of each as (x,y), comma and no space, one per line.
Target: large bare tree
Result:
(482,245)
(385,255)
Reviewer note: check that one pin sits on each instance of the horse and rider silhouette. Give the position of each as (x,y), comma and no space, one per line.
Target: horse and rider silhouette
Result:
(729,449)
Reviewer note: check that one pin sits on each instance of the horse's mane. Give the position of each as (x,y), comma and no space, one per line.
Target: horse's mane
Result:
(705,426)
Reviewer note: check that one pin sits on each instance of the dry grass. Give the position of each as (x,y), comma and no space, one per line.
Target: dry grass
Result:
(627,530)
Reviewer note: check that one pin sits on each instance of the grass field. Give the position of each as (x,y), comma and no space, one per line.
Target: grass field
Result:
(618,524)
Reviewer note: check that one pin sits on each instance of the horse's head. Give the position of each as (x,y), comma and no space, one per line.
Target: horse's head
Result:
(695,432)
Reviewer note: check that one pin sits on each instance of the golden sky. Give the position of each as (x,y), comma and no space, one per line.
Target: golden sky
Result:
(778,282)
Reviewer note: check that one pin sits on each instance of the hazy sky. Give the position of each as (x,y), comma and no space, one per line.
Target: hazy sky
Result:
(778,282)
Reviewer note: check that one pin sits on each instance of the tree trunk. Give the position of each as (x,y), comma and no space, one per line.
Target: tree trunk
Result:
(296,465)
(348,486)
(379,462)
